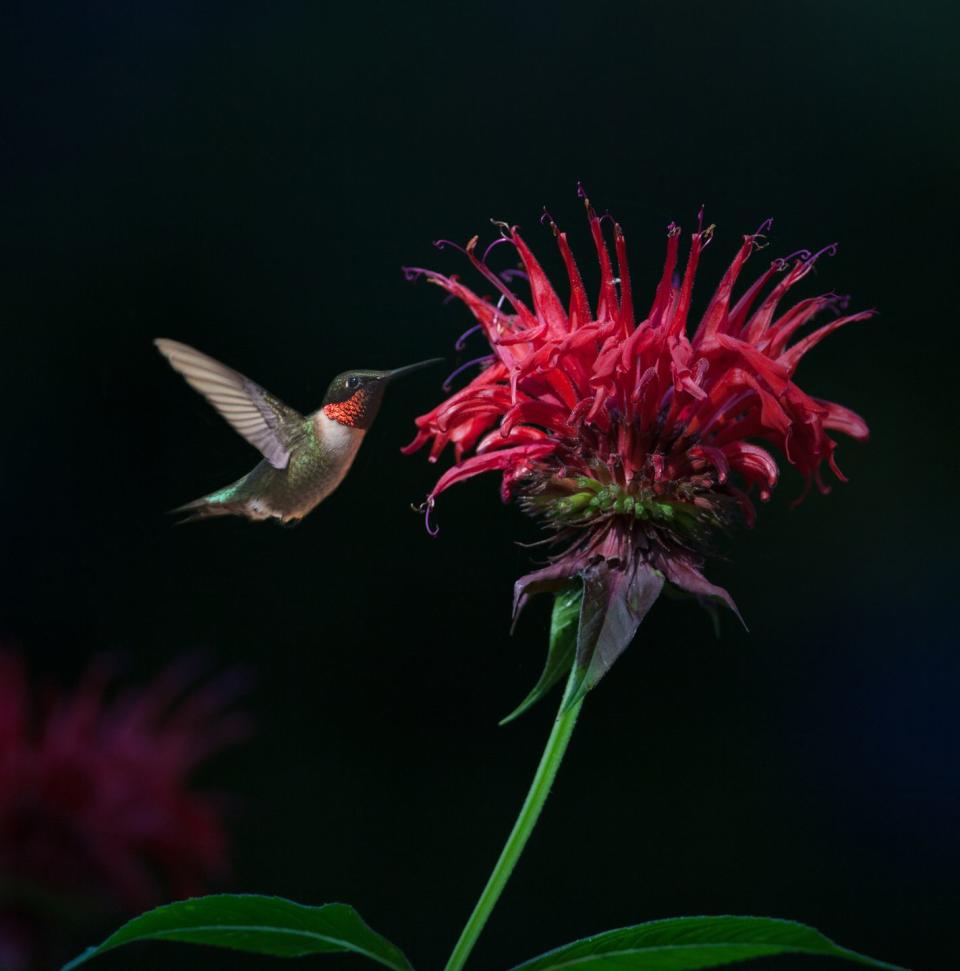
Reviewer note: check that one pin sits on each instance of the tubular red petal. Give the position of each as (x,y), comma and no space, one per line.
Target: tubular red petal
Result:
(503,459)
(716,312)
(753,461)
(525,336)
(559,382)
(757,325)
(623,269)
(775,373)
(546,303)
(678,322)
(716,457)
(744,305)
(579,312)
(607,301)
(782,329)
(791,358)
(520,308)
(844,420)
(518,434)
(662,297)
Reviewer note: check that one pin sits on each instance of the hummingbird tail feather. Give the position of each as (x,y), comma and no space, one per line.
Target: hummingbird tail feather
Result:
(203,508)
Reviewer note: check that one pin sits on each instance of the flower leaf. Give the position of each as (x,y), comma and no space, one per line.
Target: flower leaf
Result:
(563,645)
(615,601)
(263,925)
(683,943)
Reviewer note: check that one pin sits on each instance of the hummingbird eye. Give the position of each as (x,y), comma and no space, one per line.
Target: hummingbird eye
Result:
(353,382)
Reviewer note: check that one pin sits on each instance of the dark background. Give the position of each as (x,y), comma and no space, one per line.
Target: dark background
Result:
(249,179)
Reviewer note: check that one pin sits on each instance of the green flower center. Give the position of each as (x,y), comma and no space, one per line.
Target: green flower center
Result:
(689,506)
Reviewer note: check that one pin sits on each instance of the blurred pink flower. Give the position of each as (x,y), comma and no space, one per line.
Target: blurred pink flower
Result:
(94,794)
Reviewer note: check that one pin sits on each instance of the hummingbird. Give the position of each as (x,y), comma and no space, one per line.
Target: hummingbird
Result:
(305,457)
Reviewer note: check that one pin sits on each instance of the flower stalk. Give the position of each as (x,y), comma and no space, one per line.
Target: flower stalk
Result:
(526,821)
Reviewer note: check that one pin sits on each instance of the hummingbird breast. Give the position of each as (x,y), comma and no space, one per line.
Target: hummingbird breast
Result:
(316,467)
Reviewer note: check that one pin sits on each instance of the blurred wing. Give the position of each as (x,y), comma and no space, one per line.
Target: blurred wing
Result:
(263,420)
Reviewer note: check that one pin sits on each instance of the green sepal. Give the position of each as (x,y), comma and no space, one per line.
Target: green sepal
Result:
(686,943)
(256,924)
(564,622)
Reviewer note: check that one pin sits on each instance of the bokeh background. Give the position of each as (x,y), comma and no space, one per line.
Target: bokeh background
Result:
(249,178)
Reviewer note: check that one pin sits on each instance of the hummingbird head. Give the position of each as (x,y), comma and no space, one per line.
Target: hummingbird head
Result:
(353,398)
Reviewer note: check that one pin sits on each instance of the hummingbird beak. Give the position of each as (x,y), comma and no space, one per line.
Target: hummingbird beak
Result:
(409,369)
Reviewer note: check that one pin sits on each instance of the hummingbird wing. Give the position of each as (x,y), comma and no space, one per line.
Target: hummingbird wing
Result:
(263,420)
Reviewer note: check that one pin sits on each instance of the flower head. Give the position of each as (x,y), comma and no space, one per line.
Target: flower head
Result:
(636,436)
(94,797)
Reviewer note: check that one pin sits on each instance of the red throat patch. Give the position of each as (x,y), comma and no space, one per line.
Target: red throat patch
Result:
(349,412)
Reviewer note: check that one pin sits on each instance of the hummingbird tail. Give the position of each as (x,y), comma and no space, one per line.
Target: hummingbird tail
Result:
(202,508)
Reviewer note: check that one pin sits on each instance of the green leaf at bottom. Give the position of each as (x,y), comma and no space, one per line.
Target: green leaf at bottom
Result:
(684,943)
(264,925)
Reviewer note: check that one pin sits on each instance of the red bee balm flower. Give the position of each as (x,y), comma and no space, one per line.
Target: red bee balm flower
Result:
(635,440)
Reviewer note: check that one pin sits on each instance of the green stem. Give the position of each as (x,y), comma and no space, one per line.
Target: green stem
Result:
(522,828)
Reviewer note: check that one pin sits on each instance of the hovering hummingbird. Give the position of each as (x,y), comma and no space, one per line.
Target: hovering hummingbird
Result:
(304,457)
